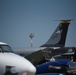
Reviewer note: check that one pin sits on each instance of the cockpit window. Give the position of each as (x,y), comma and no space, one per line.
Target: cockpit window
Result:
(5,48)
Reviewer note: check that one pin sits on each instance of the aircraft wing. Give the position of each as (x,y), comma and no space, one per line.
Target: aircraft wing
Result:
(42,56)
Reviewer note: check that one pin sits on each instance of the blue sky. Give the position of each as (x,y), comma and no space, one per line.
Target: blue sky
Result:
(20,17)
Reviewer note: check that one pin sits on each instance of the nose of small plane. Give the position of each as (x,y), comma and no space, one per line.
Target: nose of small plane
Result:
(23,66)
(32,70)
(29,67)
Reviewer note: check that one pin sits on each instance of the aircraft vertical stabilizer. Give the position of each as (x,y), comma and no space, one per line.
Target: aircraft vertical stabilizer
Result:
(58,38)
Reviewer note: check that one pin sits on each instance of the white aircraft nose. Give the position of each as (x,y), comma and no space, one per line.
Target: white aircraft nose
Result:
(28,67)
(32,70)
(22,65)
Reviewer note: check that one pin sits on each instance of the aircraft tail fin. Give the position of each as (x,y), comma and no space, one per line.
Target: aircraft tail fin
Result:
(58,38)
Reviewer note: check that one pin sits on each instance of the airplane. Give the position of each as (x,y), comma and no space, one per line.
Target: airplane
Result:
(65,67)
(63,52)
(58,66)
(56,41)
(13,64)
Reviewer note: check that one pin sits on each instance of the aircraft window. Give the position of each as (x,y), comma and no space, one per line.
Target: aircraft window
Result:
(6,48)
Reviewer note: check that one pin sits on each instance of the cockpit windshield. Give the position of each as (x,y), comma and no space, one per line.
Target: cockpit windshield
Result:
(5,48)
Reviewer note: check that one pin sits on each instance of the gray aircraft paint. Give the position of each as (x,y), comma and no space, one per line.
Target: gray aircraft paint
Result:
(55,38)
